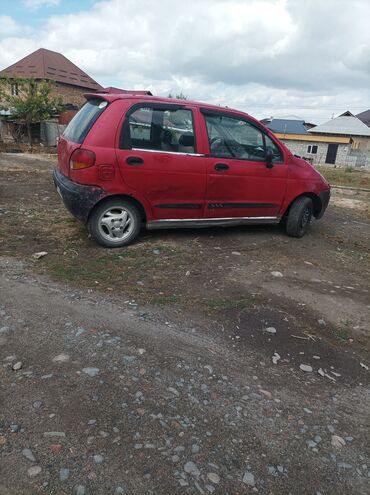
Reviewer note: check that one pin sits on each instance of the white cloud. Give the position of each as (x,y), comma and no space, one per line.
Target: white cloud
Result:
(264,56)
(36,4)
(8,26)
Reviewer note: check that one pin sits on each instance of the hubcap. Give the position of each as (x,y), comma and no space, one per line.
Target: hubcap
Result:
(306,217)
(115,224)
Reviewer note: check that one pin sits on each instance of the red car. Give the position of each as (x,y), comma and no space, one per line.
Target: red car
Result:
(125,160)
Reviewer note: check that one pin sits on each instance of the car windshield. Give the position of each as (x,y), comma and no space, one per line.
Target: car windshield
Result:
(82,122)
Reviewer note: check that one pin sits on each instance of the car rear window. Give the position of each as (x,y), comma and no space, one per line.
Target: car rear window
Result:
(83,121)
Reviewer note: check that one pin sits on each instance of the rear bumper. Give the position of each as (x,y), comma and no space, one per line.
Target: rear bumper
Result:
(78,199)
(324,198)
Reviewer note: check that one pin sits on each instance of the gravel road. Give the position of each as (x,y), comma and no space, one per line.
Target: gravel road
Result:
(99,397)
(229,361)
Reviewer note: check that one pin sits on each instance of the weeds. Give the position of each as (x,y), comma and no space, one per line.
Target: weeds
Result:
(77,273)
(163,300)
(347,176)
(342,334)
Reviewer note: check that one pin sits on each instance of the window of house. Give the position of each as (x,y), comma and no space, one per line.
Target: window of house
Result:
(160,129)
(230,137)
(14,89)
(312,149)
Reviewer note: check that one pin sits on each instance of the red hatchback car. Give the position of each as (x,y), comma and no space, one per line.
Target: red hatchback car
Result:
(125,160)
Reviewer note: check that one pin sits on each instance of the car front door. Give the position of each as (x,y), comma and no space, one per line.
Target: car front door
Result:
(239,182)
(158,160)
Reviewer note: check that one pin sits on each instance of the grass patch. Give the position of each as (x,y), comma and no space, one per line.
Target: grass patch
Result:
(346,176)
(342,334)
(77,273)
(104,268)
(141,270)
(164,300)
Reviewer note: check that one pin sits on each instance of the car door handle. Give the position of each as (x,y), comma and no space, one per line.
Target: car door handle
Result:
(134,160)
(221,167)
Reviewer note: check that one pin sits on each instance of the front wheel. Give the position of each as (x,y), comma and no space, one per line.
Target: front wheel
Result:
(299,217)
(115,223)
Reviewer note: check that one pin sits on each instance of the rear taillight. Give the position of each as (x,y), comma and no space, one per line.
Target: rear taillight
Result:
(81,158)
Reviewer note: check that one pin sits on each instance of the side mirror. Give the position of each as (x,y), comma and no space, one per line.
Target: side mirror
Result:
(269,159)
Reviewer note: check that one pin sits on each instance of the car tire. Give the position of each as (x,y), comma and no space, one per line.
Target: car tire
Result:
(115,223)
(299,217)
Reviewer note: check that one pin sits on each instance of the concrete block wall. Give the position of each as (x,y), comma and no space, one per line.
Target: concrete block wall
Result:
(346,157)
(360,157)
(343,155)
(300,148)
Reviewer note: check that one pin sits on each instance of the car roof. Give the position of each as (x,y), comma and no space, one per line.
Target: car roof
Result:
(158,99)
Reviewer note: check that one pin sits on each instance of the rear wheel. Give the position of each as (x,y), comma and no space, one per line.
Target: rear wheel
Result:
(299,217)
(115,223)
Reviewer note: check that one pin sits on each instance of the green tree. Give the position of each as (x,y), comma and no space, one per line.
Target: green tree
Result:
(32,102)
(179,96)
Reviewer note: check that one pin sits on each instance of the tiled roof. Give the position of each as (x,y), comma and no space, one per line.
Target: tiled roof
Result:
(345,125)
(46,64)
(287,126)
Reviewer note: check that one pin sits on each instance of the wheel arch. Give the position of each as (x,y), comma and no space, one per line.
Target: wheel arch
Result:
(125,197)
(317,204)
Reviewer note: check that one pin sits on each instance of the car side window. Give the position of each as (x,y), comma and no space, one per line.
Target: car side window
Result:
(272,147)
(233,138)
(160,129)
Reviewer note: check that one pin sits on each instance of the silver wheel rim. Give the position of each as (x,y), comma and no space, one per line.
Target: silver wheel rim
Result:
(116,224)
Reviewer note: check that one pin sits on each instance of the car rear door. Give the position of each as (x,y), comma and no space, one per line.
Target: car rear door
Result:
(158,159)
(239,184)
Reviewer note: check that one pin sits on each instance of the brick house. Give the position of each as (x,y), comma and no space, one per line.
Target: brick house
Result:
(70,81)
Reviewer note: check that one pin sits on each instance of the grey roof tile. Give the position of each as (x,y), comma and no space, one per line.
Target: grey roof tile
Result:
(347,125)
(287,126)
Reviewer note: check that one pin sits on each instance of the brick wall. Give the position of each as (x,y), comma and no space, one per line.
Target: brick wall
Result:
(70,94)
(6,89)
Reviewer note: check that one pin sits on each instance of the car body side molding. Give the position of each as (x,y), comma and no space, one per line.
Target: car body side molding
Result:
(241,205)
(209,222)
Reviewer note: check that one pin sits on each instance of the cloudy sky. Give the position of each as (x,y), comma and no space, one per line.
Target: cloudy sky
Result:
(309,58)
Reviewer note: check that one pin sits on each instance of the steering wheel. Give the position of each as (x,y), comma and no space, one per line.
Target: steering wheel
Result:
(217,142)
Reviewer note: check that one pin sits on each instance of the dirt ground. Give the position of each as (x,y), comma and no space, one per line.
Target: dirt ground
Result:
(177,364)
